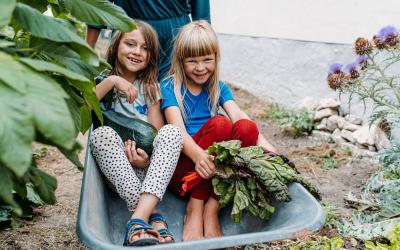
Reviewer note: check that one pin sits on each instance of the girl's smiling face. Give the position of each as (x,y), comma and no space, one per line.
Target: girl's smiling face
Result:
(132,52)
(199,69)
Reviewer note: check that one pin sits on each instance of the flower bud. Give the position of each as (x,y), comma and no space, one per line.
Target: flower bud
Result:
(351,71)
(378,43)
(362,46)
(335,80)
(389,36)
(362,61)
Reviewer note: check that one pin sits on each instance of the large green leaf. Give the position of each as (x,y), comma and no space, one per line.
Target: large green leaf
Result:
(100,12)
(41,65)
(7,7)
(66,56)
(48,28)
(49,109)
(12,73)
(16,130)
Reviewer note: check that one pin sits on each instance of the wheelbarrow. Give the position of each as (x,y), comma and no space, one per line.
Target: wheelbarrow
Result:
(102,216)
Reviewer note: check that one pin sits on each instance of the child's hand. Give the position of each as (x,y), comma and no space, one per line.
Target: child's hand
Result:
(126,88)
(204,165)
(137,157)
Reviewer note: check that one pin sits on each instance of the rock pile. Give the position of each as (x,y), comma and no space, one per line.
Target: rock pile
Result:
(345,126)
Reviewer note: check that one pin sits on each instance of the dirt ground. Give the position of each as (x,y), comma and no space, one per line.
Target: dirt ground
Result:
(53,227)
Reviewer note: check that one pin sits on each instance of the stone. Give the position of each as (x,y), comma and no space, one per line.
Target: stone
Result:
(365,135)
(323,113)
(336,133)
(328,103)
(354,119)
(371,148)
(340,121)
(381,140)
(350,126)
(321,125)
(332,123)
(309,103)
(348,135)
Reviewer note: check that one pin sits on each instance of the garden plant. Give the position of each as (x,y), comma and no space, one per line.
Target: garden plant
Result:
(46,91)
(374,77)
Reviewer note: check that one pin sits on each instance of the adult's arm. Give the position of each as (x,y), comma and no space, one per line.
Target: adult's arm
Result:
(92,35)
(200,10)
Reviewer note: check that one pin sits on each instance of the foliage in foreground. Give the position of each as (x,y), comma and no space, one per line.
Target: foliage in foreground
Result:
(294,122)
(374,77)
(46,90)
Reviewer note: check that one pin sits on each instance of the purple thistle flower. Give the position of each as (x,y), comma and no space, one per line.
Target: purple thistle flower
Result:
(386,32)
(350,67)
(362,61)
(335,68)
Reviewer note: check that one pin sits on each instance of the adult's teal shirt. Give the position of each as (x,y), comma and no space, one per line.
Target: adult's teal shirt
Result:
(166,17)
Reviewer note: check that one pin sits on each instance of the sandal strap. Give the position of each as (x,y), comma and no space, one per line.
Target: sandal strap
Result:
(157,217)
(143,226)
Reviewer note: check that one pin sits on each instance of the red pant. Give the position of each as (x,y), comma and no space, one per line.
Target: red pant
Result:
(217,129)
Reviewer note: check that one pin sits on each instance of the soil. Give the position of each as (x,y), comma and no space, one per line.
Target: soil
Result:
(53,226)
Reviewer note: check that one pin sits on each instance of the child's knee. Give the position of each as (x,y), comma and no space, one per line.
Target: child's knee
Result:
(221,127)
(102,135)
(245,131)
(172,134)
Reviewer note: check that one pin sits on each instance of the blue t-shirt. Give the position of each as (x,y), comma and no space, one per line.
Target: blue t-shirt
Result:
(197,107)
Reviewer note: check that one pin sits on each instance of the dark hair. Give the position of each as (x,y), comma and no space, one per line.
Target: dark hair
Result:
(147,76)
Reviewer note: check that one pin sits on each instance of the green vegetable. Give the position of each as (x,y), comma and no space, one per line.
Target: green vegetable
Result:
(248,177)
(141,132)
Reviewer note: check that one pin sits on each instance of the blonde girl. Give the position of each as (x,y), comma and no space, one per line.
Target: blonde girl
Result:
(139,180)
(192,97)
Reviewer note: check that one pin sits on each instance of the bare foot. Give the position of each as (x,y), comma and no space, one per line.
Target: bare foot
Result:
(212,228)
(193,224)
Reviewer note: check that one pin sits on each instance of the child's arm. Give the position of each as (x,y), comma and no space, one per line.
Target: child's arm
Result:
(204,163)
(118,82)
(236,114)
(154,116)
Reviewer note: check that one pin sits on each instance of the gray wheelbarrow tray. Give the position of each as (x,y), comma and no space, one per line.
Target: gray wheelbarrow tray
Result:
(102,216)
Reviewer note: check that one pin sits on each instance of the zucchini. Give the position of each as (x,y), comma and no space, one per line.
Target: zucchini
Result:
(143,133)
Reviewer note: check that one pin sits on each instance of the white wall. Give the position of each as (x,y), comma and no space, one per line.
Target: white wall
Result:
(335,21)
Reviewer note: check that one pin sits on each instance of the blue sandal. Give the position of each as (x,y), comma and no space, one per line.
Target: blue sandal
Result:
(135,227)
(164,232)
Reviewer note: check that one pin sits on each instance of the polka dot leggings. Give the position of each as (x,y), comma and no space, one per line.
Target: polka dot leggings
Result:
(108,150)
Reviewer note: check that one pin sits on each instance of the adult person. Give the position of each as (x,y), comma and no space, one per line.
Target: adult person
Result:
(166,17)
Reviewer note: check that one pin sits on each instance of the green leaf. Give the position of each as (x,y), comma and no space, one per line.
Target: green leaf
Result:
(100,12)
(51,115)
(40,5)
(5,213)
(41,65)
(16,130)
(6,187)
(48,28)
(12,73)
(90,96)
(6,10)
(5,43)
(86,119)
(32,196)
(44,184)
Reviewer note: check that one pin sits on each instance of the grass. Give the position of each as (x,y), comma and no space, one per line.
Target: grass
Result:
(294,122)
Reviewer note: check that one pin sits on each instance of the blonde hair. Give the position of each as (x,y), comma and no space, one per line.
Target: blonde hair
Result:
(147,76)
(195,39)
